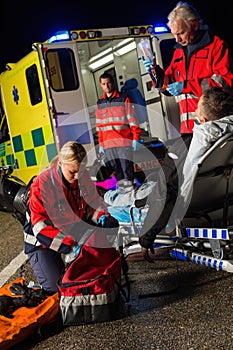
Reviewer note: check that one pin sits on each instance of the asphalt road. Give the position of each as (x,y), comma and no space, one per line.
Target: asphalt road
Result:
(173,305)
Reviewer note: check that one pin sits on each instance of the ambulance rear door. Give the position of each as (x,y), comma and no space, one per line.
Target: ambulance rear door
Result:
(71,114)
(164,47)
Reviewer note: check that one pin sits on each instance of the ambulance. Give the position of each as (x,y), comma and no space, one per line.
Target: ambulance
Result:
(49,96)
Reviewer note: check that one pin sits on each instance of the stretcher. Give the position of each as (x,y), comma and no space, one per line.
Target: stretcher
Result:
(205,233)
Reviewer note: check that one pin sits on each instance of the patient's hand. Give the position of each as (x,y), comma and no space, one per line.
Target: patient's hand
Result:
(148,254)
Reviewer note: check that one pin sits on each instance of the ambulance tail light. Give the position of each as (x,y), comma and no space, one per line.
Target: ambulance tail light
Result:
(86,34)
(94,34)
(158,28)
(141,30)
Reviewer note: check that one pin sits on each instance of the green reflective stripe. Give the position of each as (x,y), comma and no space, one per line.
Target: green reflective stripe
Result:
(6,154)
(34,147)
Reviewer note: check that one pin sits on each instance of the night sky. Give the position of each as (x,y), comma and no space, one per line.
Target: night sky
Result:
(22,24)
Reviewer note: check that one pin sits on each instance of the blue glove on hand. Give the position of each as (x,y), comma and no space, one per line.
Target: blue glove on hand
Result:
(104,220)
(73,254)
(101,150)
(76,249)
(107,221)
(136,145)
(147,65)
(175,89)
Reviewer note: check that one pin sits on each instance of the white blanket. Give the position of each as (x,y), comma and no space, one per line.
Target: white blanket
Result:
(123,197)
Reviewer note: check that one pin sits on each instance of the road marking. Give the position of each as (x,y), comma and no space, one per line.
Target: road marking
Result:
(14,265)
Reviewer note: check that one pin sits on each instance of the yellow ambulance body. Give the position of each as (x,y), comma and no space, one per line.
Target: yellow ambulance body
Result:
(29,118)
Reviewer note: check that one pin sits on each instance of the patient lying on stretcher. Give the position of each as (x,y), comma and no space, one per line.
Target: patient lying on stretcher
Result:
(122,199)
(215,113)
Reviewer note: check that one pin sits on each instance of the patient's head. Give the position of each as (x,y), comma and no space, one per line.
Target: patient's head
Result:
(214,104)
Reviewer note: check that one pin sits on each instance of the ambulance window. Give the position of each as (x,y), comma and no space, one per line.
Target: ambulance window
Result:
(4,131)
(62,69)
(33,85)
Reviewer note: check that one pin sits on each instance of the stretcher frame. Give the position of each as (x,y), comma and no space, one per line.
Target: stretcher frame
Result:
(205,234)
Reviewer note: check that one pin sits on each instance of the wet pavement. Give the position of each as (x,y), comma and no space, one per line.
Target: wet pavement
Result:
(173,305)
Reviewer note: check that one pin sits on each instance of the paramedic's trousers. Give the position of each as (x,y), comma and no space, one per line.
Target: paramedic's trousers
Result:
(47,266)
(121,160)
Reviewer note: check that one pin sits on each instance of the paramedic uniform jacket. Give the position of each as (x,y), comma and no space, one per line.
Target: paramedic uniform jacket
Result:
(59,209)
(200,65)
(116,124)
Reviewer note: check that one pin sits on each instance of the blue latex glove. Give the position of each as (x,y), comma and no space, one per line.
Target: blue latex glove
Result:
(107,221)
(136,145)
(147,65)
(76,249)
(175,89)
(101,150)
(73,254)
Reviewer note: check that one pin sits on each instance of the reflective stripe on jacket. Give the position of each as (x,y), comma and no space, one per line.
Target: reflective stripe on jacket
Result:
(60,212)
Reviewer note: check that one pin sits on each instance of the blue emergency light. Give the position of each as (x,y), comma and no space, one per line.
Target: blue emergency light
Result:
(64,35)
(61,35)
(160,28)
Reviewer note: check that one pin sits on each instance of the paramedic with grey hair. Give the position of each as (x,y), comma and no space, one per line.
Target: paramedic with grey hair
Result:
(200,60)
(214,116)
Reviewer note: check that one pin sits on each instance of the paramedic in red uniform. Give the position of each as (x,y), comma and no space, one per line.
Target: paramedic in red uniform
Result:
(63,205)
(200,60)
(117,130)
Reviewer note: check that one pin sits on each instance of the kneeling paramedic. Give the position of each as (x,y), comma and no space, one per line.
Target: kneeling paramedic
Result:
(63,205)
